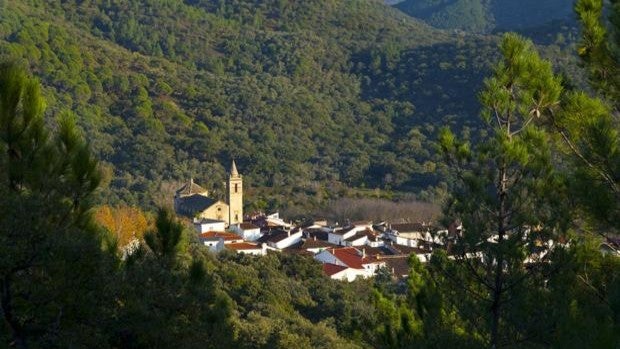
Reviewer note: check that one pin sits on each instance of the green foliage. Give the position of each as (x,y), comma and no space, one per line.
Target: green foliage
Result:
(63,287)
(52,269)
(482,16)
(165,240)
(519,178)
(589,126)
(508,197)
(305,95)
(599,47)
(584,297)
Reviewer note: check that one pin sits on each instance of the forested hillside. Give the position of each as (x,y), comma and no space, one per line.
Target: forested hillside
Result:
(485,16)
(304,95)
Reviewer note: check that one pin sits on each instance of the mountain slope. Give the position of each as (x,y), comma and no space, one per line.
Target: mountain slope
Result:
(489,15)
(304,95)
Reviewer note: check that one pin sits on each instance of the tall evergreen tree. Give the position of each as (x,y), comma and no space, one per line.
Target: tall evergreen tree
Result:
(600,45)
(590,126)
(51,261)
(508,197)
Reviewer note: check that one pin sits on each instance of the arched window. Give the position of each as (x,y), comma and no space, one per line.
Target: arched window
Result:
(236,187)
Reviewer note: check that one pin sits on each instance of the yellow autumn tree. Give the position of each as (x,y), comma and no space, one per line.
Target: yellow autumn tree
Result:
(125,223)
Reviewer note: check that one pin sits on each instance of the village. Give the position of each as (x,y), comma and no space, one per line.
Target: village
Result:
(347,251)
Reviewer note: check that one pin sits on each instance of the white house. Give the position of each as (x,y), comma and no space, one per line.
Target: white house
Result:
(339,235)
(282,239)
(204,225)
(409,234)
(215,244)
(366,237)
(274,221)
(350,257)
(338,272)
(216,240)
(247,231)
(359,239)
(315,246)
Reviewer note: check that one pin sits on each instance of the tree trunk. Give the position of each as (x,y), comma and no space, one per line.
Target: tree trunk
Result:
(499,258)
(17,334)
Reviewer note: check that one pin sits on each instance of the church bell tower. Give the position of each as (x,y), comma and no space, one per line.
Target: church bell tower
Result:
(235,196)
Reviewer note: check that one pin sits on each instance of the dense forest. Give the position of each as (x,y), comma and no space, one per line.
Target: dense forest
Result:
(484,16)
(310,97)
(110,101)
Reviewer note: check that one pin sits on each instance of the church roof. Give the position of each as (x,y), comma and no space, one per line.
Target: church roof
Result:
(208,221)
(190,188)
(196,203)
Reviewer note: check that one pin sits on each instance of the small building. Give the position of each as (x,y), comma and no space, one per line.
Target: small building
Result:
(339,272)
(216,240)
(247,231)
(314,245)
(365,237)
(204,225)
(317,233)
(350,257)
(280,239)
(409,234)
(339,235)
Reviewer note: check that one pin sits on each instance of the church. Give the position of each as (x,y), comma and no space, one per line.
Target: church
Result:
(193,201)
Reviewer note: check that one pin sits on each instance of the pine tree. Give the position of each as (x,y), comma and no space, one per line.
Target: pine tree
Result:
(507,195)
(590,126)
(600,45)
(50,253)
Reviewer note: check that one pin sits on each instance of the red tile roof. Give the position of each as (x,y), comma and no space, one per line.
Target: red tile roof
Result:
(243,246)
(219,234)
(331,269)
(351,257)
